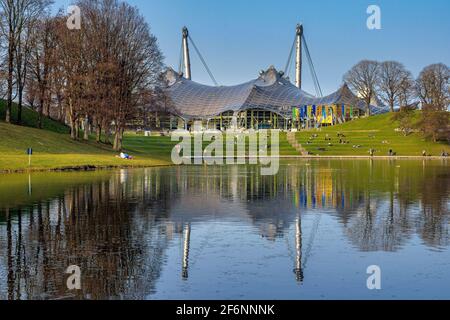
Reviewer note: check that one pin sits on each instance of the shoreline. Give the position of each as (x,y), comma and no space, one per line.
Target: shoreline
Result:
(87,167)
(82,168)
(368,157)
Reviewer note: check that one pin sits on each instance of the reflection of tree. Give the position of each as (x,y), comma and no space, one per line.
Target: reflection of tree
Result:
(377,226)
(387,221)
(434,220)
(118,228)
(96,227)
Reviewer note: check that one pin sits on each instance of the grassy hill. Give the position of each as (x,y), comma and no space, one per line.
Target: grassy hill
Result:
(53,148)
(30,119)
(377,132)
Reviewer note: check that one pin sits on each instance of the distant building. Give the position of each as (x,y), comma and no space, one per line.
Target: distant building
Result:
(269,102)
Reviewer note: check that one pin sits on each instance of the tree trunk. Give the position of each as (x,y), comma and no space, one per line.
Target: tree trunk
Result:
(107,130)
(10,79)
(19,106)
(146,120)
(86,129)
(98,133)
(77,130)
(118,139)
(107,135)
(40,113)
(72,124)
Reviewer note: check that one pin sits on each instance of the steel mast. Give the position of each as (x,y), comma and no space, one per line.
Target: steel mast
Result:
(298,59)
(186,56)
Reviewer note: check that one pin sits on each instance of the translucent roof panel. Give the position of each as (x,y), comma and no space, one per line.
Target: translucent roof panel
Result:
(271,91)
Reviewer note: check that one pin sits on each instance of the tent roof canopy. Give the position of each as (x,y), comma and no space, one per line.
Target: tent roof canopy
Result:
(270,91)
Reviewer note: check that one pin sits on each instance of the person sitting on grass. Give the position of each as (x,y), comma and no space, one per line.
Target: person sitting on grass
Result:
(125,156)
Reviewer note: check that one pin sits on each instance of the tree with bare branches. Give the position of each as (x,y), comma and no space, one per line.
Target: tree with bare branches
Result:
(392,75)
(433,86)
(15,17)
(72,72)
(363,79)
(407,93)
(127,60)
(433,89)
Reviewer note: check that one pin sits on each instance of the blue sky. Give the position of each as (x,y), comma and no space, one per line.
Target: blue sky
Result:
(239,38)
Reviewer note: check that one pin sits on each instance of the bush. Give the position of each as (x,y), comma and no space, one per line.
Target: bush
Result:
(434,123)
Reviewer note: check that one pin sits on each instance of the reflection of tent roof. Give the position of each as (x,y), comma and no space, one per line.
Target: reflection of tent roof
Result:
(271,91)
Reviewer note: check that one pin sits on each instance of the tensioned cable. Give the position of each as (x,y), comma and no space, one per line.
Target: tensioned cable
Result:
(289,61)
(316,88)
(203,62)
(313,70)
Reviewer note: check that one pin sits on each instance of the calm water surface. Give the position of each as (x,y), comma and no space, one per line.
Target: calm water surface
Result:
(226,232)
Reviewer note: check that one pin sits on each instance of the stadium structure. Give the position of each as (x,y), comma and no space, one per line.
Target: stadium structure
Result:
(270,101)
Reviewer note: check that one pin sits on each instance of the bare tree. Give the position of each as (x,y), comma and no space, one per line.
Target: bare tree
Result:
(435,123)
(41,63)
(407,91)
(363,79)
(139,61)
(127,59)
(22,54)
(16,14)
(99,76)
(433,86)
(433,89)
(71,68)
(391,78)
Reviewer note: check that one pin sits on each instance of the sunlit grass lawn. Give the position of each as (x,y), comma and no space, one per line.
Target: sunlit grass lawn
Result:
(54,150)
(369,133)
(73,161)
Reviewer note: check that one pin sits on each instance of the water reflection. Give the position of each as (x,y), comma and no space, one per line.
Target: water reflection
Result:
(118,226)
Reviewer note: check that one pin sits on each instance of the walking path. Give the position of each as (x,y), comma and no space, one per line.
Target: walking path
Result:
(295,144)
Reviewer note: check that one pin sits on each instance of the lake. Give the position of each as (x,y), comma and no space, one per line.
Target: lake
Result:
(196,232)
